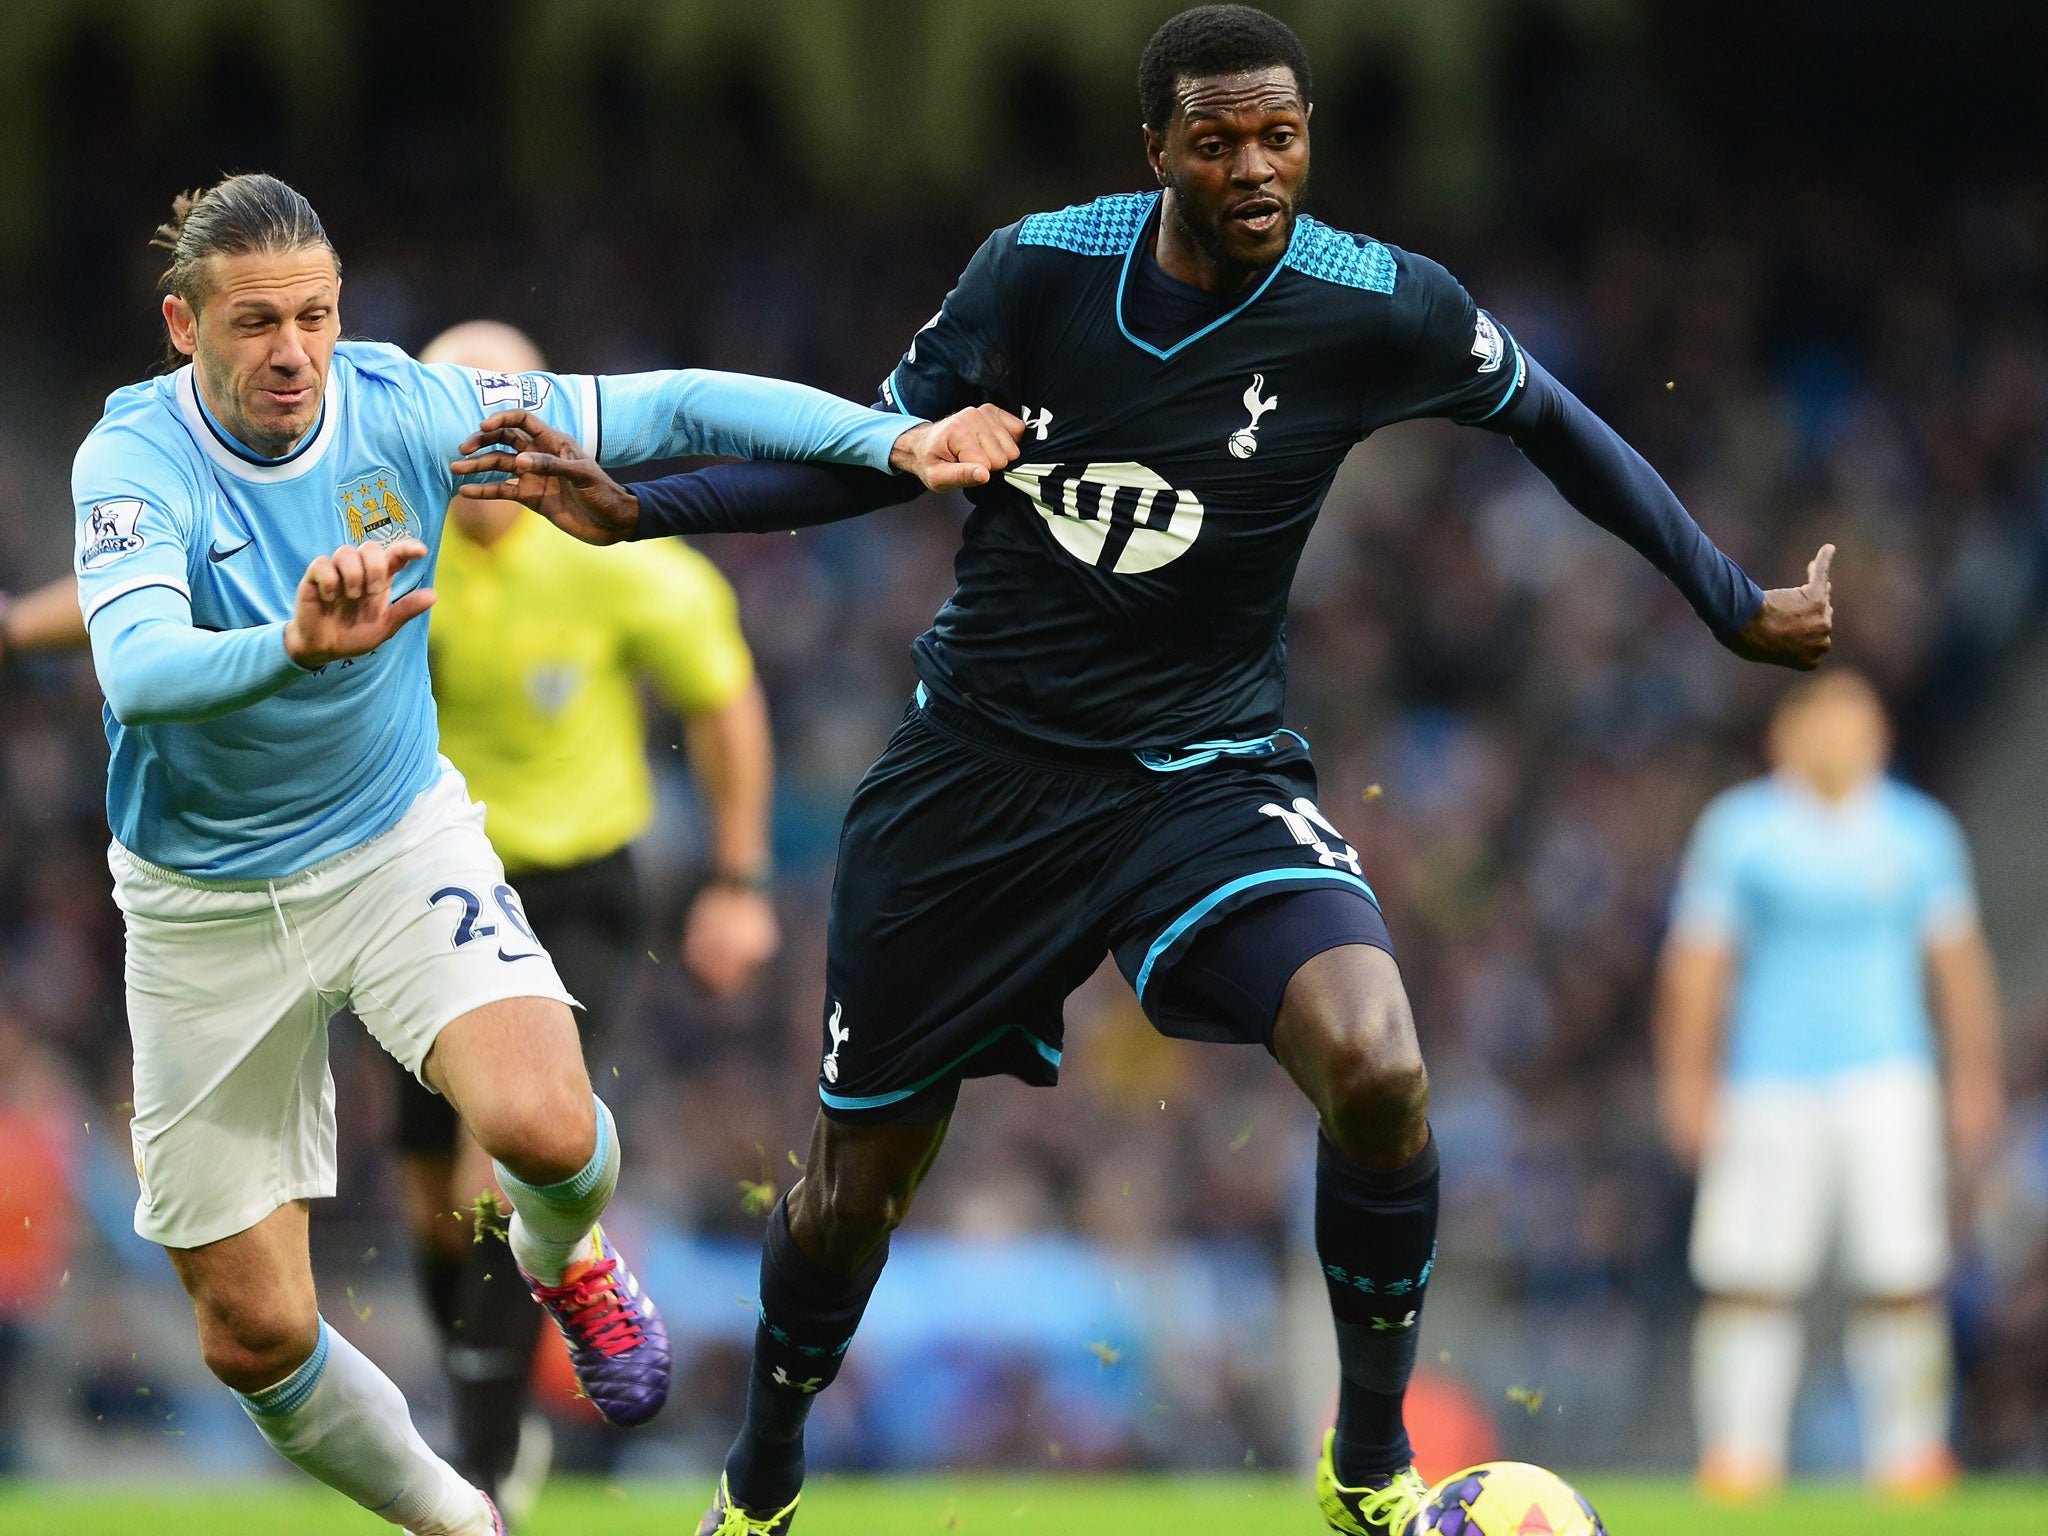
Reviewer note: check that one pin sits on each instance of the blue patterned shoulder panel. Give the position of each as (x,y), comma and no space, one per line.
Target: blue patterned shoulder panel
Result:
(1105,227)
(1336,257)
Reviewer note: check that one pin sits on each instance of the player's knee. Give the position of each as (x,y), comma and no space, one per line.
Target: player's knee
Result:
(1376,1087)
(259,1346)
(1380,1088)
(847,1224)
(543,1135)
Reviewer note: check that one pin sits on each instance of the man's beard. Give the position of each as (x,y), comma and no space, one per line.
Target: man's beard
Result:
(1208,238)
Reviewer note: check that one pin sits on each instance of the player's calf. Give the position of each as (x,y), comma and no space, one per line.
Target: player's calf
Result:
(826,1244)
(1346,1034)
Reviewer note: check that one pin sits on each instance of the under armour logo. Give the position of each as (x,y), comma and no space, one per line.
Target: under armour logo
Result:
(839,1038)
(1040,423)
(815,1384)
(1244,442)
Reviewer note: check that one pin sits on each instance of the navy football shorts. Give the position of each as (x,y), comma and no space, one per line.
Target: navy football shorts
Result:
(982,877)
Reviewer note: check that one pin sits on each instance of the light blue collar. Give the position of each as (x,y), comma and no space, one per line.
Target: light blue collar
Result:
(1123,280)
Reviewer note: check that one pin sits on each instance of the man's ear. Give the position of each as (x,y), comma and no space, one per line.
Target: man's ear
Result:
(182,323)
(1155,153)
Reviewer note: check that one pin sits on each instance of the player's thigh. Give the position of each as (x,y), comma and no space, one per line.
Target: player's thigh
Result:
(960,921)
(514,1071)
(253,1298)
(1894,1159)
(1768,1192)
(234,1105)
(432,932)
(1231,878)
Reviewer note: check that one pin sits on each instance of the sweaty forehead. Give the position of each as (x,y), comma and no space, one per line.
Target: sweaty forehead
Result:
(283,280)
(1253,92)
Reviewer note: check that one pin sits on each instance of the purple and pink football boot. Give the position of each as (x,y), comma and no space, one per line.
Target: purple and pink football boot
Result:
(616,1342)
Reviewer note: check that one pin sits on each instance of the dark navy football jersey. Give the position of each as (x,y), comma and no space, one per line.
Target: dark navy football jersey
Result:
(1125,584)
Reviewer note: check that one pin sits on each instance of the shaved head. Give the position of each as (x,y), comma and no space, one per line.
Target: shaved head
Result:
(490,345)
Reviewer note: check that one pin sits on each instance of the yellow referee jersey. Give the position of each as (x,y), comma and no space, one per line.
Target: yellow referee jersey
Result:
(538,645)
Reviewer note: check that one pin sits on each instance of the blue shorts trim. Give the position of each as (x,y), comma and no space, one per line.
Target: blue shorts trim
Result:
(1201,909)
(883,1100)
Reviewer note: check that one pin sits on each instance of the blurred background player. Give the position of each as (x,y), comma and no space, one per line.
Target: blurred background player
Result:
(1820,911)
(539,646)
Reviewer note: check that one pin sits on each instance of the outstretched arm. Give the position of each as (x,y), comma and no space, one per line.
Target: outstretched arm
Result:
(552,473)
(156,668)
(1612,485)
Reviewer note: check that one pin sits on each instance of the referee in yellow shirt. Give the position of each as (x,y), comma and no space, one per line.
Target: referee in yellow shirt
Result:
(540,645)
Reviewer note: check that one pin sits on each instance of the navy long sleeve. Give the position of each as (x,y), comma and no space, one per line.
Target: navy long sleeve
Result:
(765,496)
(1611,484)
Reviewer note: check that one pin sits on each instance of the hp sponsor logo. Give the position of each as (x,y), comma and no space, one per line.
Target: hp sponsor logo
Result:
(1121,518)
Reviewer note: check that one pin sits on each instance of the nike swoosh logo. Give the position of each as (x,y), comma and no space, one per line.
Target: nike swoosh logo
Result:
(503,956)
(216,554)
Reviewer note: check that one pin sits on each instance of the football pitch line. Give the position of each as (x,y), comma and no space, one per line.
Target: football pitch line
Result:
(997,1506)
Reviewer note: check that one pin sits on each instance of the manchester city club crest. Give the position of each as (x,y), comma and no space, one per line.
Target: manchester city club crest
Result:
(375,512)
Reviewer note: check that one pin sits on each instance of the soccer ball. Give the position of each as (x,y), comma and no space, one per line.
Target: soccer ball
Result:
(1505,1498)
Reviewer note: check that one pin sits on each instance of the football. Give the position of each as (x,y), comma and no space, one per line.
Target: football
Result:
(1505,1498)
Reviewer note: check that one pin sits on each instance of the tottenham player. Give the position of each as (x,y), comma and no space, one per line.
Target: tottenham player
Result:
(254,535)
(1095,760)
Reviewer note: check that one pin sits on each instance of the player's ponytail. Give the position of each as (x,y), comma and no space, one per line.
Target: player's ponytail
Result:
(234,216)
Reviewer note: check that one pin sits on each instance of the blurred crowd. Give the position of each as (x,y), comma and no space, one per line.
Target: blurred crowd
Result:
(1515,723)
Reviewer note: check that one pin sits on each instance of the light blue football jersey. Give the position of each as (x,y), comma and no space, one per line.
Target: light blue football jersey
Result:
(1830,908)
(234,763)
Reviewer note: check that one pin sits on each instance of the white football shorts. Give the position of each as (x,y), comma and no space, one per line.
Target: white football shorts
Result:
(231,985)
(1792,1166)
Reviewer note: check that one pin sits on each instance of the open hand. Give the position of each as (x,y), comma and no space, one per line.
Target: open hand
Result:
(344,605)
(550,473)
(1795,626)
(967,448)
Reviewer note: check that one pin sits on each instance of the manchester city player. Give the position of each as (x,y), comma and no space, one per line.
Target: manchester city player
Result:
(255,533)
(1825,955)
(1095,758)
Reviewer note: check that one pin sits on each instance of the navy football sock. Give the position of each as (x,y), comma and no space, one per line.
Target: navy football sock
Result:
(440,1276)
(1376,1238)
(807,1320)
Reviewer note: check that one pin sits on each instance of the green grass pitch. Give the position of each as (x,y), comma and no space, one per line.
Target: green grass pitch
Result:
(981,1506)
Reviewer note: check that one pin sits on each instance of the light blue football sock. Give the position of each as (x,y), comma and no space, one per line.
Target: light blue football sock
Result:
(550,1222)
(342,1420)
